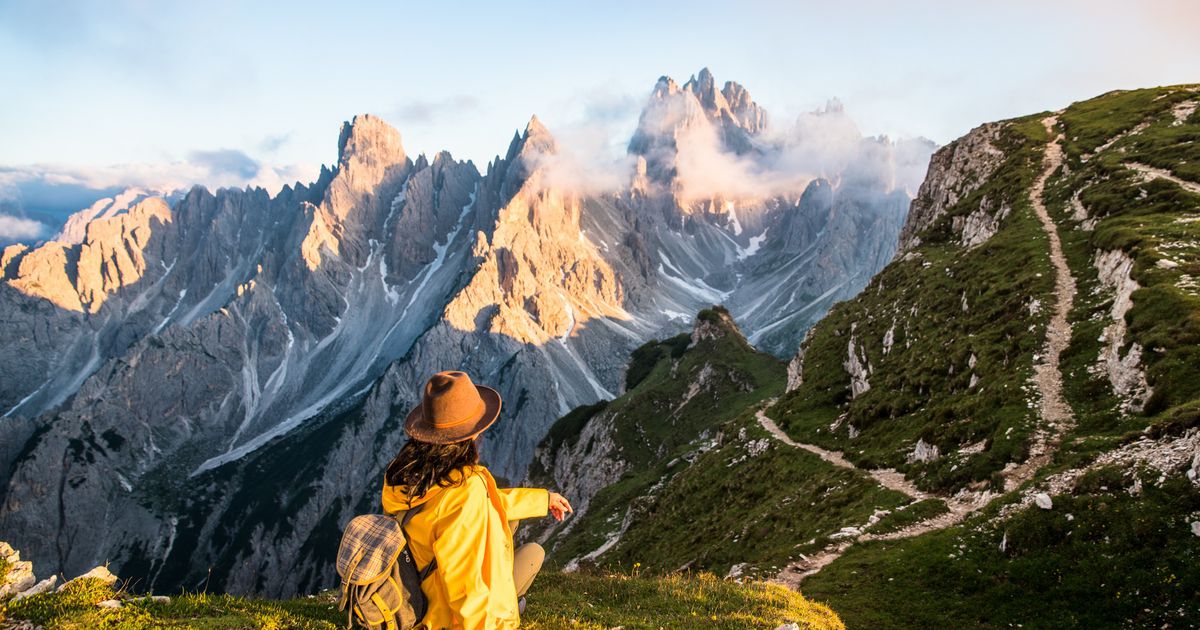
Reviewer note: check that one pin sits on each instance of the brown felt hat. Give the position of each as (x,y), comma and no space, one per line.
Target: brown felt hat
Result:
(453,409)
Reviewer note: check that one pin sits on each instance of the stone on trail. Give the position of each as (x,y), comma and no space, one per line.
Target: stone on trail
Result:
(1043,500)
(110,603)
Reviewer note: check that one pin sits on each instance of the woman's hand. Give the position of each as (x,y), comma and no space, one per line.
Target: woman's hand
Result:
(559,506)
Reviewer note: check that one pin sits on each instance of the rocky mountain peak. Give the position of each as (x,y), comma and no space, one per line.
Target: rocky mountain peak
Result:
(672,111)
(747,112)
(367,138)
(704,86)
(714,323)
(665,87)
(537,138)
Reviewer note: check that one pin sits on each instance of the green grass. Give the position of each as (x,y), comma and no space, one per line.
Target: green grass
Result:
(76,607)
(661,420)
(706,487)
(652,420)
(676,601)
(1148,221)
(556,601)
(751,501)
(1095,121)
(1117,561)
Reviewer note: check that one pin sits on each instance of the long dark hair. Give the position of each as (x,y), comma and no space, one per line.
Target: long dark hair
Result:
(421,465)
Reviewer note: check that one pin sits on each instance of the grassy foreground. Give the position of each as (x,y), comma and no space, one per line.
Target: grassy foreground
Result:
(556,601)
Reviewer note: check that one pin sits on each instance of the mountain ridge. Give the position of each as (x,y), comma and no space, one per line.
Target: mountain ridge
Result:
(265,324)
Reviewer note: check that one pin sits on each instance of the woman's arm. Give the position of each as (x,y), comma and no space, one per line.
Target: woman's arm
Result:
(521,503)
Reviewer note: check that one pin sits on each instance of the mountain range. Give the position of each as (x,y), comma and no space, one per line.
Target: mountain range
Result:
(202,388)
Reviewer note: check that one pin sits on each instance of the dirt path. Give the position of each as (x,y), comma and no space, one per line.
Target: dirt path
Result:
(1149,172)
(886,477)
(1056,415)
(959,505)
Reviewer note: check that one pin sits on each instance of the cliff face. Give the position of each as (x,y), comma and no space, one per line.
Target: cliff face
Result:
(218,382)
(955,171)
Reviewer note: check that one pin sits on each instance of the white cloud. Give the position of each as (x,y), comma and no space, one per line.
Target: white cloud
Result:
(823,143)
(19,229)
(586,161)
(213,169)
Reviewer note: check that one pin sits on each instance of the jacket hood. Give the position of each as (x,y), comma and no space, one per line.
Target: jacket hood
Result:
(396,499)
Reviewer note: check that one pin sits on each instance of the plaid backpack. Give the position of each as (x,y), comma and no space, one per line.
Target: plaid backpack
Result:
(381,586)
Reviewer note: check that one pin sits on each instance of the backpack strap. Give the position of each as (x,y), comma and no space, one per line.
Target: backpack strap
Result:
(408,514)
(411,512)
(348,598)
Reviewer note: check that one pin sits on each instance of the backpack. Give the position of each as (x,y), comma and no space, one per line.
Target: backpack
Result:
(381,586)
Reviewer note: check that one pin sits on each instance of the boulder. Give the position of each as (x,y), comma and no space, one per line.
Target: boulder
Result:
(99,573)
(37,589)
(20,573)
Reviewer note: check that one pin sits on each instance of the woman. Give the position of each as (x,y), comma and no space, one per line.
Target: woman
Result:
(464,521)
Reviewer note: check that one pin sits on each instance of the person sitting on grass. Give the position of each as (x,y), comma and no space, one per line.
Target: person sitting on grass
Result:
(464,521)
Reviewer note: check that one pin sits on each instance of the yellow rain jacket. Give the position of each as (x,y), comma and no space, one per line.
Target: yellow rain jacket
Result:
(466,527)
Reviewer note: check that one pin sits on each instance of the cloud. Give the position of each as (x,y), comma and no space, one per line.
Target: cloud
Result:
(271,144)
(226,162)
(19,229)
(590,154)
(425,111)
(781,160)
(586,161)
(48,193)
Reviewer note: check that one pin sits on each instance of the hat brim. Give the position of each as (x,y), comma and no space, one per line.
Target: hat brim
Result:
(419,428)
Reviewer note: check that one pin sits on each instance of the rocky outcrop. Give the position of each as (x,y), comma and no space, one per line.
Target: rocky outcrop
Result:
(1124,371)
(955,171)
(857,367)
(19,576)
(74,231)
(586,464)
(976,228)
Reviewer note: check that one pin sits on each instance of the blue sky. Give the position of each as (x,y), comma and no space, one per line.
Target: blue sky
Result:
(218,88)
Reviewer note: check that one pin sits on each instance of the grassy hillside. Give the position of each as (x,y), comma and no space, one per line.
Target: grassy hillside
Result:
(930,371)
(963,330)
(578,601)
(706,487)
(1117,547)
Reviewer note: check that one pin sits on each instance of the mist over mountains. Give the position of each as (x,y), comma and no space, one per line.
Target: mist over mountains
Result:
(170,359)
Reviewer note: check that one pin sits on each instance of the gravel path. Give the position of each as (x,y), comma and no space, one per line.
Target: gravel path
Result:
(1149,172)
(1056,415)
(886,477)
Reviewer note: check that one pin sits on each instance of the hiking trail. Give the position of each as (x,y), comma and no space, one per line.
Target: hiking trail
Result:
(1056,417)
(1149,172)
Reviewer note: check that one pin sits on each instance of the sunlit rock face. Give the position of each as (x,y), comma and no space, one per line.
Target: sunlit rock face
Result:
(220,381)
